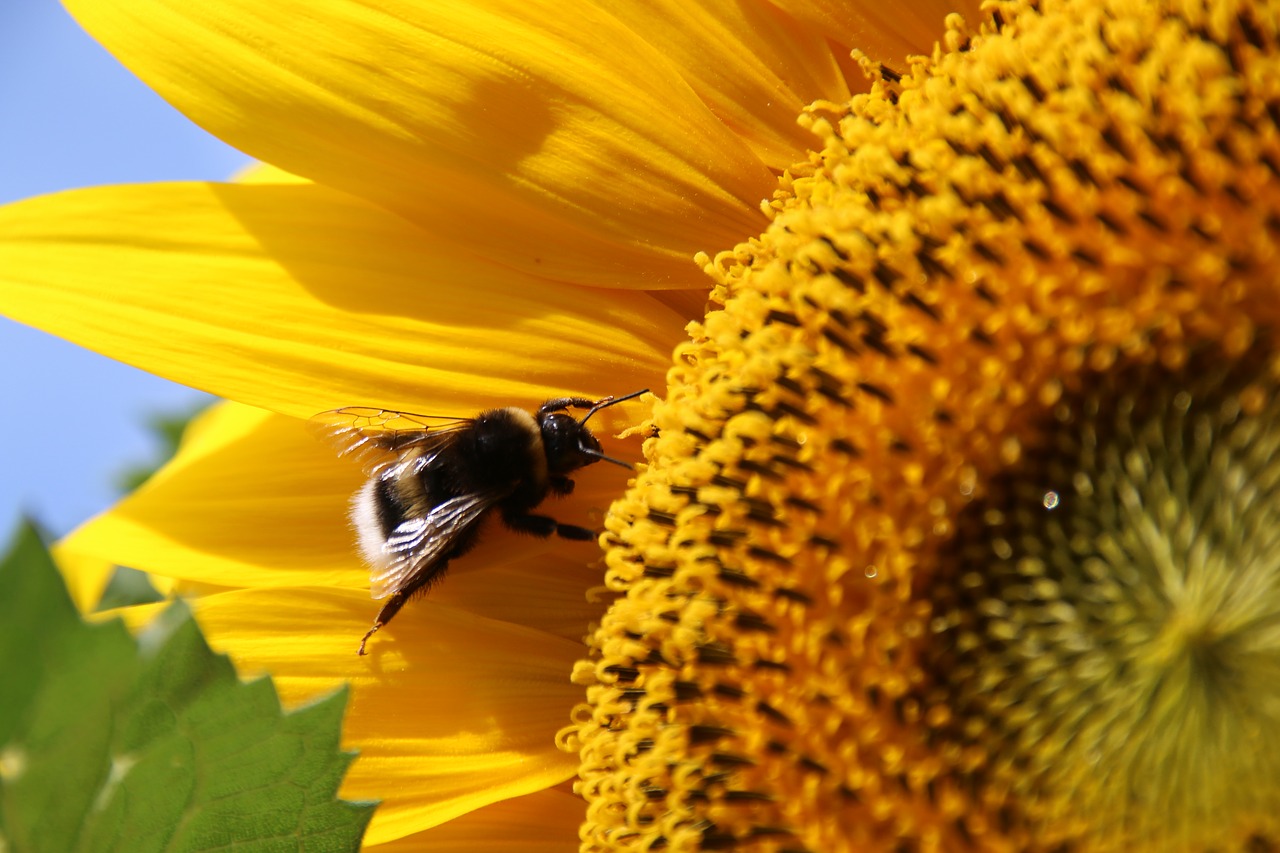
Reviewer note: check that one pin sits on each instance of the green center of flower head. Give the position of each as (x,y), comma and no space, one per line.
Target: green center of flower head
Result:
(958,529)
(1107,629)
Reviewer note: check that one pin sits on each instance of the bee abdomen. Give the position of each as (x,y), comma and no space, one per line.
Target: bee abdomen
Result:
(376,511)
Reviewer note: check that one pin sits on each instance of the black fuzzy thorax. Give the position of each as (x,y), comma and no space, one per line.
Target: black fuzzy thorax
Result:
(500,453)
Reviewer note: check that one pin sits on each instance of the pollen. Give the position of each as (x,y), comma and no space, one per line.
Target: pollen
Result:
(960,524)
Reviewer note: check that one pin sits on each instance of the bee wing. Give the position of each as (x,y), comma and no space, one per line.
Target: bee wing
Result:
(419,545)
(378,438)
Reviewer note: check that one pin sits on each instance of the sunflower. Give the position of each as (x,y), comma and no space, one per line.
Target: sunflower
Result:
(957,528)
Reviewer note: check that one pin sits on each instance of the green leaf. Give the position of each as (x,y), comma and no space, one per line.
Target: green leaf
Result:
(128,587)
(108,743)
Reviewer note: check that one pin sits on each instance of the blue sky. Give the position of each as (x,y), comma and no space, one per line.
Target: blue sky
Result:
(70,116)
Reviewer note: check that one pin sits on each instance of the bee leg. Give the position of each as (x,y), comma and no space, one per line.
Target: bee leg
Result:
(573,531)
(557,403)
(543,526)
(389,610)
(560,485)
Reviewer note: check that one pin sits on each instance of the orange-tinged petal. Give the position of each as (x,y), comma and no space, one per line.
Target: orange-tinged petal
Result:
(548,592)
(450,711)
(298,298)
(545,822)
(756,67)
(887,32)
(542,134)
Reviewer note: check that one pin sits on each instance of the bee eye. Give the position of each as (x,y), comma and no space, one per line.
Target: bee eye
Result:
(568,445)
(587,441)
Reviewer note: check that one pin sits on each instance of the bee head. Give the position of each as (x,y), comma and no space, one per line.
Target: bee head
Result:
(568,443)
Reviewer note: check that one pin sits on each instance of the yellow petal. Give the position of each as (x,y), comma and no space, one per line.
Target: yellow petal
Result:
(543,134)
(86,576)
(755,67)
(250,499)
(263,173)
(298,298)
(887,32)
(451,712)
(545,822)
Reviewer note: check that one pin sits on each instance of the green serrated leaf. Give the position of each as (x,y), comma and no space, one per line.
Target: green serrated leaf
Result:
(108,743)
(126,588)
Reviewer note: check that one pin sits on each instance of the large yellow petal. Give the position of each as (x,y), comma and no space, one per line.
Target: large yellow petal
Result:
(250,499)
(542,133)
(545,822)
(451,712)
(756,67)
(298,298)
(86,576)
(263,173)
(887,32)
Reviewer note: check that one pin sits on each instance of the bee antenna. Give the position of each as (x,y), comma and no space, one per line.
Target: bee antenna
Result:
(597,454)
(606,403)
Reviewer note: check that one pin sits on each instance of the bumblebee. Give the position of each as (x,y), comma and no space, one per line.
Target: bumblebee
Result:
(432,481)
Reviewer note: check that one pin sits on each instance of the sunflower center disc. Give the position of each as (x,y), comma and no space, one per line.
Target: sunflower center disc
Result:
(1108,628)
